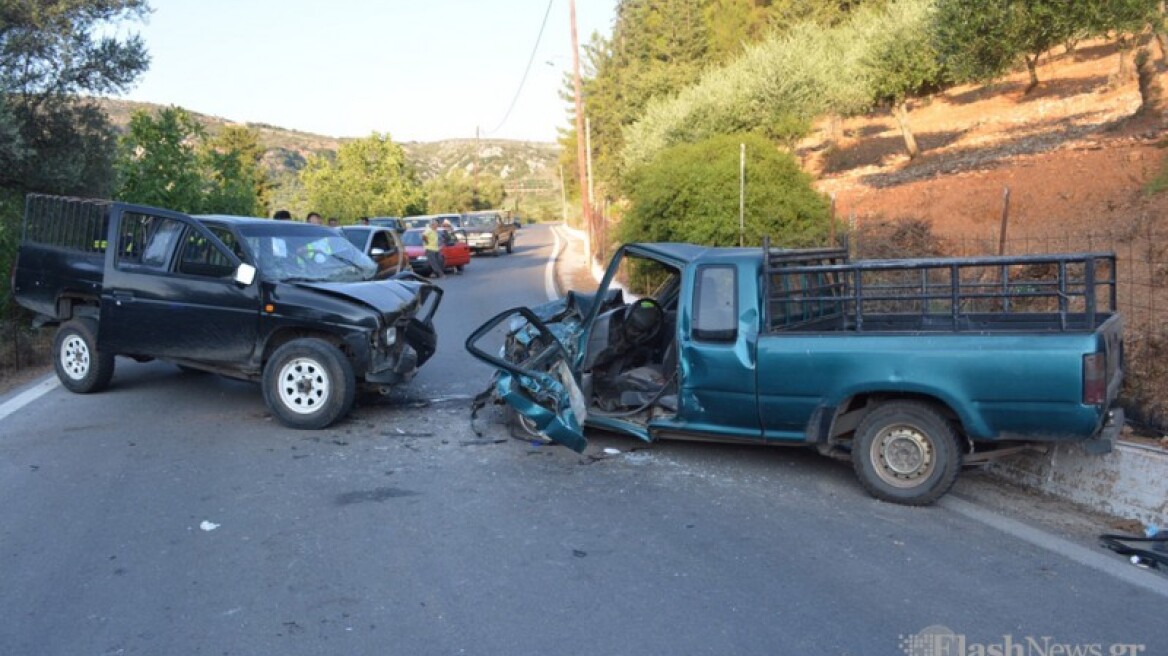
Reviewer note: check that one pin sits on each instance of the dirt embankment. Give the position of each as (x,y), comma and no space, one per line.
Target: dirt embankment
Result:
(1084,172)
(1070,154)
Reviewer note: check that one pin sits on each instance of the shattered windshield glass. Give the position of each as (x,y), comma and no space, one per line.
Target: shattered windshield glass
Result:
(289,252)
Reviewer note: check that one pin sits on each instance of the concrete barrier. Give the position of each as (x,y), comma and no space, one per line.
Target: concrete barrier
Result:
(1130,482)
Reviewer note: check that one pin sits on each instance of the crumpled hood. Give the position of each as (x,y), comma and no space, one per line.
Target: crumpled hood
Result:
(391,298)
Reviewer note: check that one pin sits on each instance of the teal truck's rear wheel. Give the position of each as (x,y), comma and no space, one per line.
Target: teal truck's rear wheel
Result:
(906,452)
(80,367)
(309,384)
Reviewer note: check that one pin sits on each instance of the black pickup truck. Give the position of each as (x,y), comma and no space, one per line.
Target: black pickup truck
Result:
(291,305)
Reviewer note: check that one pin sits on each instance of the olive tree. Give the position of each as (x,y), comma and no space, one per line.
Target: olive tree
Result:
(980,40)
(902,63)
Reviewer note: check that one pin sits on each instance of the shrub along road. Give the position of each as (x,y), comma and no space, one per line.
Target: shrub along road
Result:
(172,515)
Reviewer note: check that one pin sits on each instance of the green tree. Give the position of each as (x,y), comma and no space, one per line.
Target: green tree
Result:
(52,54)
(902,63)
(980,40)
(657,48)
(690,193)
(457,192)
(370,177)
(237,183)
(1124,18)
(158,162)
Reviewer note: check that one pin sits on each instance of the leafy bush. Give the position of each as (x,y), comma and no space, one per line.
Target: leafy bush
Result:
(11,213)
(779,86)
(690,193)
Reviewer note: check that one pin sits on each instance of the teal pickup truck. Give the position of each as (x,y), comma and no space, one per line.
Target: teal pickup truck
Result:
(909,368)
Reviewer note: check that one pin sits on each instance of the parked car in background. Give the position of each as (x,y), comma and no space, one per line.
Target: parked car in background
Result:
(455,252)
(382,245)
(423,220)
(488,231)
(394,222)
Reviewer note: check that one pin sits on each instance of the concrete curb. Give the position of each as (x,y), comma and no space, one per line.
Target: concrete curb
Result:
(1130,482)
(577,237)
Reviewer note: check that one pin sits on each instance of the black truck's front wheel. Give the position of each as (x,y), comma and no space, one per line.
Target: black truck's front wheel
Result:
(80,366)
(906,452)
(308,384)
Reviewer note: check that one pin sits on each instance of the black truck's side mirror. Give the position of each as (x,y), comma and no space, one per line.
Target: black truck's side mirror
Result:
(245,274)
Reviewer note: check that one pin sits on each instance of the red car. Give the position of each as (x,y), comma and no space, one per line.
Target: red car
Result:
(455,252)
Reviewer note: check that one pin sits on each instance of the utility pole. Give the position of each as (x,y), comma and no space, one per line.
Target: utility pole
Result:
(741,195)
(563,194)
(474,193)
(588,158)
(580,153)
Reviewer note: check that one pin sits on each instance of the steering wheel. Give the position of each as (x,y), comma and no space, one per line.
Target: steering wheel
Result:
(642,320)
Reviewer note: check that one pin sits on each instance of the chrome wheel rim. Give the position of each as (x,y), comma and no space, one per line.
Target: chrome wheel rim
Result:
(304,385)
(903,456)
(75,358)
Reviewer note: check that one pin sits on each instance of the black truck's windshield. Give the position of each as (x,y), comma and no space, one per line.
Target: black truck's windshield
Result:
(287,252)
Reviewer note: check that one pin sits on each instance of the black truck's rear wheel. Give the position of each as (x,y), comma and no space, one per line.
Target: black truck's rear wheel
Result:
(80,366)
(308,384)
(906,452)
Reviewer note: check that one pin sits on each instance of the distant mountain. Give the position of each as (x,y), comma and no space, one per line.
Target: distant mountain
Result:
(521,164)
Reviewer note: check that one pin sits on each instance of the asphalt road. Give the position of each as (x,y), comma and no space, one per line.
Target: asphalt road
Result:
(172,515)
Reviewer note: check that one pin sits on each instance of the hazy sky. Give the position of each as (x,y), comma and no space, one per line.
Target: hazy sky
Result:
(421,70)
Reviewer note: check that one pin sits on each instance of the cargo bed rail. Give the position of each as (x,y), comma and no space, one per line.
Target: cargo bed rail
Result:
(819,289)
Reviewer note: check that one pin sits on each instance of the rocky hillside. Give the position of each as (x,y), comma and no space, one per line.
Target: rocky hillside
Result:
(520,163)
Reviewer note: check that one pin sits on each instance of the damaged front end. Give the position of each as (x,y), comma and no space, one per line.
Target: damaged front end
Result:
(405,338)
(536,365)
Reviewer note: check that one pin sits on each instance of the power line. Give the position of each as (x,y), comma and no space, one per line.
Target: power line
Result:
(525,70)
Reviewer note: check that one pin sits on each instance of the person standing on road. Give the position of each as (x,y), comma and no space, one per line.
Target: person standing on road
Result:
(433,249)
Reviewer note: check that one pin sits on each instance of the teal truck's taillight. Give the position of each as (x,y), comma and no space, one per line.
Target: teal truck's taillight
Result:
(1095,379)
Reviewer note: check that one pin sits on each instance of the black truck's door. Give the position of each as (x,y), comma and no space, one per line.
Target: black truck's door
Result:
(169,292)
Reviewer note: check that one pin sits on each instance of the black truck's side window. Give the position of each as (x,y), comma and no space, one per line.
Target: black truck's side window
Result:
(200,257)
(147,241)
(715,304)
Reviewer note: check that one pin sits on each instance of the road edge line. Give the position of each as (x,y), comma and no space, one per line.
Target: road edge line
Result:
(549,276)
(1110,565)
(28,396)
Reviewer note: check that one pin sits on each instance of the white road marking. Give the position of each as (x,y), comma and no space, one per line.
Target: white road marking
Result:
(1105,562)
(450,397)
(28,396)
(549,274)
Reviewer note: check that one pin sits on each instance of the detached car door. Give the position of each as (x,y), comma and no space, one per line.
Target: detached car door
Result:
(170,291)
(542,386)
